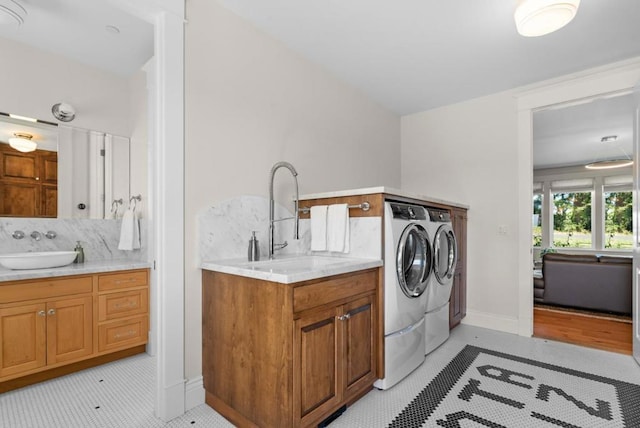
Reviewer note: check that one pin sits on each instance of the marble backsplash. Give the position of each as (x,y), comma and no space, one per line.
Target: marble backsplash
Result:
(99,238)
(225,228)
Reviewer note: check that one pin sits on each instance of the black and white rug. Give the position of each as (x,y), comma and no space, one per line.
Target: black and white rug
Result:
(481,387)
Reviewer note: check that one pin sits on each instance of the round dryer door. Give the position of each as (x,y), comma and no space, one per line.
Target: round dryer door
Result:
(445,254)
(414,260)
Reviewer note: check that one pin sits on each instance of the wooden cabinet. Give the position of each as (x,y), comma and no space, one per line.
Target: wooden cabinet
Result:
(49,324)
(334,358)
(458,301)
(28,183)
(288,354)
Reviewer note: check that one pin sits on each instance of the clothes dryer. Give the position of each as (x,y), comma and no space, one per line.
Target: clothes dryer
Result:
(407,271)
(445,257)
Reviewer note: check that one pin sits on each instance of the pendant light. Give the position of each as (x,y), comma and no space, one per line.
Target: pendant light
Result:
(22,142)
(611,163)
(539,17)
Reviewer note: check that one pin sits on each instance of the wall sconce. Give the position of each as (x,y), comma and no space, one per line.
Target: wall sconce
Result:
(22,142)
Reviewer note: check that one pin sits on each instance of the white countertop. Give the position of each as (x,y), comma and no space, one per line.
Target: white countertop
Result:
(386,190)
(72,269)
(290,269)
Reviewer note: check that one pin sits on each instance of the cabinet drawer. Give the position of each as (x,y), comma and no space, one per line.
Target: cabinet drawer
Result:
(123,304)
(45,289)
(123,334)
(122,280)
(320,293)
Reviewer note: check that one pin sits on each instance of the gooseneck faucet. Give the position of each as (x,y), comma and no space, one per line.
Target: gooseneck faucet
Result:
(273,246)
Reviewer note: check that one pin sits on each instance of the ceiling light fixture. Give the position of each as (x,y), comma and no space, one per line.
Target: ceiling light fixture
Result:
(63,112)
(112,29)
(539,17)
(612,163)
(12,12)
(22,142)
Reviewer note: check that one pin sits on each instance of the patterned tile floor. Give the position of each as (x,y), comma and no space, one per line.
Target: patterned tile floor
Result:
(120,394)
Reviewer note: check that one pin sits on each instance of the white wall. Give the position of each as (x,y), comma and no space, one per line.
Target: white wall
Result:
(251,102)
(36,80)
(466,153)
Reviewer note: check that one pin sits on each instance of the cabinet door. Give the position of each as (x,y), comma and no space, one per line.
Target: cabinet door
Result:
(22,339)
(19,199)
(317,366)
(69,329)
(359,344)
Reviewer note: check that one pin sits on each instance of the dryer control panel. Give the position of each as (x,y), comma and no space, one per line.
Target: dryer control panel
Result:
(439,216)
(407,211)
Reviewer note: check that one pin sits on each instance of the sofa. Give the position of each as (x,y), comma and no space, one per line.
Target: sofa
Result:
(598,283)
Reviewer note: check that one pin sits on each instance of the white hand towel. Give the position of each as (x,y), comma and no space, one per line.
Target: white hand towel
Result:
(129,231)
(319,228)
(338,228)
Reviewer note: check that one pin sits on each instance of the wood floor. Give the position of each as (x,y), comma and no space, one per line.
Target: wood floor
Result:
(584,329)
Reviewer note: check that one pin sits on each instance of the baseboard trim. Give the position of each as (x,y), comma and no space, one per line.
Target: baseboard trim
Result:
(491,321)
(194,393)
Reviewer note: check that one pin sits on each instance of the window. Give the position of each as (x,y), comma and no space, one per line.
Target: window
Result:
(572,220)
(537,220)
(618,220)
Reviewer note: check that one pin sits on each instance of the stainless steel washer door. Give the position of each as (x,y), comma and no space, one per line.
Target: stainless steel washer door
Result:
(445,250)
(414,260)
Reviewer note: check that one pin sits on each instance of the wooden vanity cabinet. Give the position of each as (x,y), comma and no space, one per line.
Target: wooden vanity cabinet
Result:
(288,355)
(47,326)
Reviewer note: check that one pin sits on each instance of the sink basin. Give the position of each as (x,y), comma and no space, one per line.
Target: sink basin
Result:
(37,260)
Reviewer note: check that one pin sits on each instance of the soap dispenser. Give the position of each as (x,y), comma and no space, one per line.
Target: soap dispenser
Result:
(254,249)
(80,253)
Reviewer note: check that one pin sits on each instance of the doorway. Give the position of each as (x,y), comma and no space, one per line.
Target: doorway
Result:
(583,219)
(610,81)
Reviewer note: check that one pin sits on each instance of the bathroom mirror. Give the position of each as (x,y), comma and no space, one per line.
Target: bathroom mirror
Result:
(71,172)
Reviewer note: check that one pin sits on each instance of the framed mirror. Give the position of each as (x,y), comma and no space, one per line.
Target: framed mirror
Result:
(59,171)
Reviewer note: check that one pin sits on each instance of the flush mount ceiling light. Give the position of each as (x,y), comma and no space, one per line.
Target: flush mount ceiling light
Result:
(539,17)
(63,112)
(22,142)
(12,12)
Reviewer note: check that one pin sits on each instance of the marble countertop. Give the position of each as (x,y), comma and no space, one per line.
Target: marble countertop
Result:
(291,269)
(72,269)
(381,189)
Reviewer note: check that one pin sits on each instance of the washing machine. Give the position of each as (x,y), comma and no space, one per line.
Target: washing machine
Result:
(408,262)
(445,257)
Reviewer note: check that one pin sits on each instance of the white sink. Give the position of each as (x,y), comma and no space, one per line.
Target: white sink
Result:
(37,260)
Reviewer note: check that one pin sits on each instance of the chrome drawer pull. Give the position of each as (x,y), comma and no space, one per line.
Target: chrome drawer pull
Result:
(127,334)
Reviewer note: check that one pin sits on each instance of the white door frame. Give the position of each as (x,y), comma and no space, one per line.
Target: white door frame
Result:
(611,79)
(166,197)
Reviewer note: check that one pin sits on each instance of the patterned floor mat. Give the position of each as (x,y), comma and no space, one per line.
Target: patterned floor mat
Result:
(481,387)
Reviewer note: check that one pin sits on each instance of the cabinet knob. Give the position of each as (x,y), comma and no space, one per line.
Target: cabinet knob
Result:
(52,311)
(344,317)
(41,313)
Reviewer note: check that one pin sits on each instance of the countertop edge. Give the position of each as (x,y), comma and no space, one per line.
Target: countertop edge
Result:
(73,269)
(381,189)
(292,278)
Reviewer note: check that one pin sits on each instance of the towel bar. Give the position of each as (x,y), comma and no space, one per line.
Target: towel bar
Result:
(365,206)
